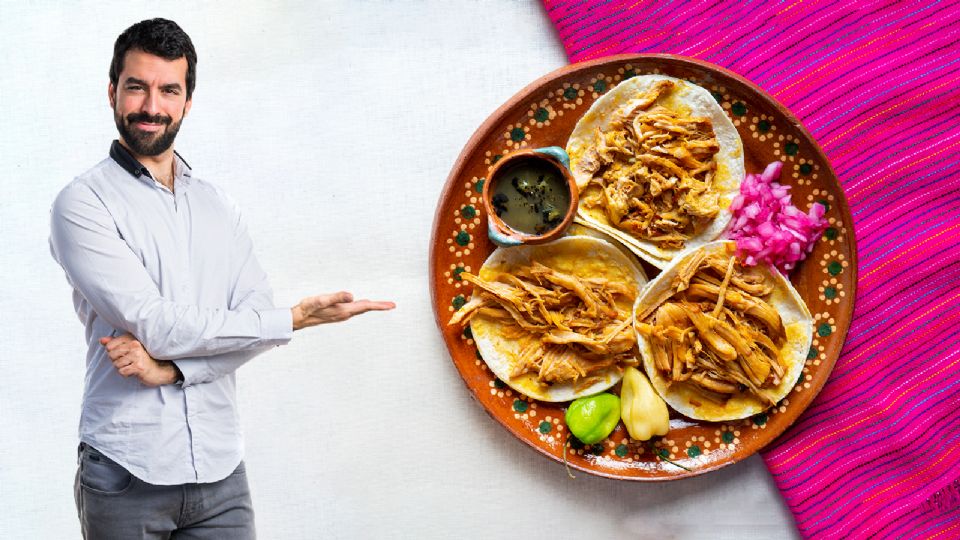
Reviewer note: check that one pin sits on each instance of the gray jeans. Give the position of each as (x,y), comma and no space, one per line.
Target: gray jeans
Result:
(114,504)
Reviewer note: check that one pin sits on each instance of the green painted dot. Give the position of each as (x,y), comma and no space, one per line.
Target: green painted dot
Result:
(806,168)
(826,205)
(760,419)
(496,158)
(576,443)
(463,238)
(499,384)
(739,108)
(791,148)
(600,86)
(824,330)
(542,115)
(517,134)
(467,333)
(596,449)
(479,356)
(458,301)
(662,452)
(763,126)
(520,405)
(545,427)
(478,187)
(830,292)
(622,450)
(727,437)
(570,93)
(694,451)
(628,74)
(716,96)
(834,268)
(457,271)
(812,353)
(831,233)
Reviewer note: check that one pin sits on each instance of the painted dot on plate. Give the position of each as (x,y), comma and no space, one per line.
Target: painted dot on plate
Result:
(831,233)
(570,93)
(629,74)
(542,115)
(694,451)
(468,212)
(600,86)
(727,437)
(806,168)
(826,205)
(739,108)
(463,238)
(457,271)
(834,268)
(458,301)
(824,330)
(830,292)
(763,126)
(468,333)
(499,384)
(517,134)
(760,419)
(519,405)
(812,353)
(622,450)
(478,187)
(791,148)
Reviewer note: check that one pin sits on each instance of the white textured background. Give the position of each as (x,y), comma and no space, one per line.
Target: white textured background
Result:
(334,124)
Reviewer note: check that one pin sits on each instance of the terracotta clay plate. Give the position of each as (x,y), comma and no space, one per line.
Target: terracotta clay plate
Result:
(543,114)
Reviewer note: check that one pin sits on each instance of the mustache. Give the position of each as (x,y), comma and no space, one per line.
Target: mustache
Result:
(146,118)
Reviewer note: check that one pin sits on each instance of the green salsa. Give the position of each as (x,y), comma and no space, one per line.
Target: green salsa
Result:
(530,197)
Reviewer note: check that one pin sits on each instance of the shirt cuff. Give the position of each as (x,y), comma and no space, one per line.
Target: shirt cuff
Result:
(276,325)
(193,371)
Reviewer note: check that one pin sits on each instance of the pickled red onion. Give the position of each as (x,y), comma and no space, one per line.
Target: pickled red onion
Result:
(768,227)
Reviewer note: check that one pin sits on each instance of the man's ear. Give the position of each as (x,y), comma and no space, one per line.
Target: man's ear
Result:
(187,105)
(112,95)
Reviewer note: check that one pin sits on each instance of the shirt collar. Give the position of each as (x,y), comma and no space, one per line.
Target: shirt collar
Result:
(125,159)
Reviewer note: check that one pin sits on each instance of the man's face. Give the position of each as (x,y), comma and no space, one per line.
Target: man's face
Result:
(150,101)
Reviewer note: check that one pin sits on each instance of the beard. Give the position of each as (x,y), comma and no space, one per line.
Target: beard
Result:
(147,143)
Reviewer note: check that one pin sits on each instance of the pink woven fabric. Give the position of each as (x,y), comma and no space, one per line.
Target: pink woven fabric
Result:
(878,84)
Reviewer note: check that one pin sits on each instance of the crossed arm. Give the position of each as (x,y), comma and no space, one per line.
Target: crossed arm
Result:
(105,272)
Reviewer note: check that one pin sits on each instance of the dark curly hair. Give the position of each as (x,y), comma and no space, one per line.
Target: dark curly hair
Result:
(159,37)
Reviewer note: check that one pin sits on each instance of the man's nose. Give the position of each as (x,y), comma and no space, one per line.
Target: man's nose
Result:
(151,104)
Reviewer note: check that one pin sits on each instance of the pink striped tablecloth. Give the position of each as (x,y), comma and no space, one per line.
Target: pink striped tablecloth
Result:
(878,85)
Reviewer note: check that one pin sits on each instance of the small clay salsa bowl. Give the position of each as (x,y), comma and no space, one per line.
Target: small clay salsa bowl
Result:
(530,197)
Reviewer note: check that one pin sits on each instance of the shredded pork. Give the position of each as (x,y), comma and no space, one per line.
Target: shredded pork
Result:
(715,330)
(652,172)
(570,328)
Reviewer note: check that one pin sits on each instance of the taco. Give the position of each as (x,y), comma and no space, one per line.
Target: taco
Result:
(657,164)
(554,321)
(719,340)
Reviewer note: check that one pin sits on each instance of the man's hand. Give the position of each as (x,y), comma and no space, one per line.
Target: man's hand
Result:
(336,307)
(130,358)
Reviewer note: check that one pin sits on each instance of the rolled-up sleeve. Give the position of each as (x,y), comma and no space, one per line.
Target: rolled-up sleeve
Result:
(103,269)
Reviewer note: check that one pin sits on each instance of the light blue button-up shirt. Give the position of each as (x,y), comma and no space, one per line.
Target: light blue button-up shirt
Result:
(176,270)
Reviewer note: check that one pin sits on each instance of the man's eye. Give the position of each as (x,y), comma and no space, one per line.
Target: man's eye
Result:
(172,91)
(134,87)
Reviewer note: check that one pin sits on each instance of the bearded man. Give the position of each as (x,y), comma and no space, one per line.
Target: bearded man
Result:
(173,301)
